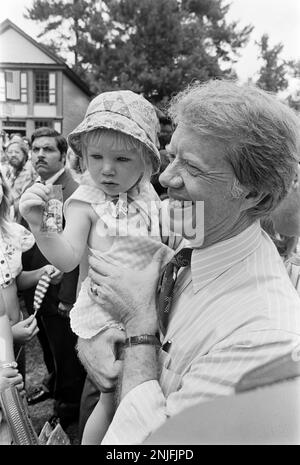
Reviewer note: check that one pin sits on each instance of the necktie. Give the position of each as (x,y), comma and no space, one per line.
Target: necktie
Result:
(167,283)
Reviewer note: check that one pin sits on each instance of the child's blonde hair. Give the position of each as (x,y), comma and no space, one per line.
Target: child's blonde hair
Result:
(119,140)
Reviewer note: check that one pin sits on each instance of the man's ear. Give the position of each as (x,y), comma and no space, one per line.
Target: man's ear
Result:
(253,198)
(295,183)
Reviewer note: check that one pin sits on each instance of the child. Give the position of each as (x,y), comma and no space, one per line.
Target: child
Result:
(116,214)
(15,239)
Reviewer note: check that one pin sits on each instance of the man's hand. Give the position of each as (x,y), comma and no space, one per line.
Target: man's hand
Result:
(25,330)
(98,356)
(128,295)
(32,202)
(10,376)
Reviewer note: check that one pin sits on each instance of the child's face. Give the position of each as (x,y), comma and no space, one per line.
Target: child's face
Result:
(114,169)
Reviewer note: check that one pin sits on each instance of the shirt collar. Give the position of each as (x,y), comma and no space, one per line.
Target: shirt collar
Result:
(209,263)
(53,178)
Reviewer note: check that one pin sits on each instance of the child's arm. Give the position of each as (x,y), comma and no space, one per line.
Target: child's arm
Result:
(28,279)
(6,337)
(10,376)
(99,420)
(64,250)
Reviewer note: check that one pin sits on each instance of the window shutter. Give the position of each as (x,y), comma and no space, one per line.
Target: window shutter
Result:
(52,87)
(24,87)
(12,85)
(2,86)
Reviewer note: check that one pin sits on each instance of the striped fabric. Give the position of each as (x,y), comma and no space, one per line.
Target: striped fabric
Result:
(234,309)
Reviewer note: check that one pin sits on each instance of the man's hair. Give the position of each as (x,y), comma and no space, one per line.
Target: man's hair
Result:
(260,135)
(61,141)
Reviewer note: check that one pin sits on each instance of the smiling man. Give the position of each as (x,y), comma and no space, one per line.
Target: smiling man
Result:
(236,149)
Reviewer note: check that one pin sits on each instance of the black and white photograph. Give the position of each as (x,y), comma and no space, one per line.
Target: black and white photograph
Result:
(149,225)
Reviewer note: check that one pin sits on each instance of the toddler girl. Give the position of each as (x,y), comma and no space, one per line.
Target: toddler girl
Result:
(115,213)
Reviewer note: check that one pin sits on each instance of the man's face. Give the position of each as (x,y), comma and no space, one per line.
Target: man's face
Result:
(198,171)
(46,158)
(286,217)
(15,155)
(1,190)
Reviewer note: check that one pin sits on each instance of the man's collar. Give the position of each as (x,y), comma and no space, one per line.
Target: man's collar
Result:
(209,263)
(53,178)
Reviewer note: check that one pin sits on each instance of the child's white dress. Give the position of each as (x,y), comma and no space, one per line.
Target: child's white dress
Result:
(135,227)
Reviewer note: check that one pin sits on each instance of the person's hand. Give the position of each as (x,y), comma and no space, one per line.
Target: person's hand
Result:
(99,357)
(128,295)
(54,273)
(10,376)
(32,202)
(25,330)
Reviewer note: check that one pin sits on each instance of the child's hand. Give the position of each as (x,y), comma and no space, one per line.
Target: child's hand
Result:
(25,330)
(10,376)
(32,202)
(54,273)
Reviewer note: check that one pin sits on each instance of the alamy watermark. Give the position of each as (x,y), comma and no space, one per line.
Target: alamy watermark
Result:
(124,217)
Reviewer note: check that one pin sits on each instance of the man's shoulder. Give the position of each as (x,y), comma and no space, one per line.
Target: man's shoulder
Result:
(68,182)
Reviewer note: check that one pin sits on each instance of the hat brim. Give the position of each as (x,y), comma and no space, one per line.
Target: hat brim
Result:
(116,122)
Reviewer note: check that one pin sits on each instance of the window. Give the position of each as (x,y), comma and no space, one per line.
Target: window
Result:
(45,87)
(40,123)
(10,85)
(14,124)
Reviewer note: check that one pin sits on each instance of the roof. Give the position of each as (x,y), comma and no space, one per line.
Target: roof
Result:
(7,23)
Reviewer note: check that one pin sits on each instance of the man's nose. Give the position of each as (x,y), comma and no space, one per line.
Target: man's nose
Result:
(40,152)
(170,177)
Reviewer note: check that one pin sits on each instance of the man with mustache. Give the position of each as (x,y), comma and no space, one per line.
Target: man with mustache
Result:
(66,375)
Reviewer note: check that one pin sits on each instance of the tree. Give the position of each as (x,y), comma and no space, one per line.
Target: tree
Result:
(273,72)
(150,46)
(67,26)
(293,99)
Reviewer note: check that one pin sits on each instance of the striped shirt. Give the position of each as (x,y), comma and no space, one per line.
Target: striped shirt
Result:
(234,309)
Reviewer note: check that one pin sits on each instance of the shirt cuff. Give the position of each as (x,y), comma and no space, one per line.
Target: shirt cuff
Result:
(140,413)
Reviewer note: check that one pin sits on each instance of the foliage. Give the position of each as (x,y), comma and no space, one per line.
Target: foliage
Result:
(273,71)
(151,46)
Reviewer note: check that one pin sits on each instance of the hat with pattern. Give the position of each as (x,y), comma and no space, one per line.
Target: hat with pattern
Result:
(122,111)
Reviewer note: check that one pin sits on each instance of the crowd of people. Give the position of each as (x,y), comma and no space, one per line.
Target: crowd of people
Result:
(135,299)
